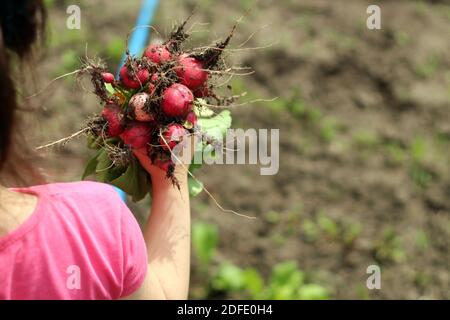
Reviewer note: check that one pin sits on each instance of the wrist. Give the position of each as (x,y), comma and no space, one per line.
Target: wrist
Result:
(159,177)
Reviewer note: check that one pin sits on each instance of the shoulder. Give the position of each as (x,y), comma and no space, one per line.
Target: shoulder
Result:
(86,189)
(88,225)
(94,204)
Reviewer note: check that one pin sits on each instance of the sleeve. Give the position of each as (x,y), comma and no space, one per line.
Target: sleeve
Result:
(135,262)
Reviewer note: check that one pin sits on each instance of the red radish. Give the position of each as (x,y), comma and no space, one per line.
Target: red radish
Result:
(191,72)
(112,114)
(137,107)
(154,77)
(191,120)
(177,100)
(150,107)
(173,134)
(202,92)
(151,86)
(133,81)
(108,77)
(137,135)
(157,53)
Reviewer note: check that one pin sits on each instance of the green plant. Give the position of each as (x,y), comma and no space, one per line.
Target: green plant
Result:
(327,225)
(362,293)
(420,176)
(310,230)
(205,239)
(341,231)
(421,240)
(402,38)
(272,217)
(285,282)
(312,292)
(418,149)
(254,282)
(422,279)
(389,247)
(429,67)
(366,139)
(396,154)
(228,278)
(328,129)
(314,115)
(278,238)
(351,232)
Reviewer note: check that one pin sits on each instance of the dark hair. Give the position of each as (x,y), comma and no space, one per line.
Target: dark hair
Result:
(22,22)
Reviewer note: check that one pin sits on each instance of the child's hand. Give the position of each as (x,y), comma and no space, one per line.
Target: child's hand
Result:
(183,156)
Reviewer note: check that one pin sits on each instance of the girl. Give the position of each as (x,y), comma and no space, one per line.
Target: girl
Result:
(79,240)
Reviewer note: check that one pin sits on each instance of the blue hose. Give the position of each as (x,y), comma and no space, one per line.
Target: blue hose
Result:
(137,42)
(139,37)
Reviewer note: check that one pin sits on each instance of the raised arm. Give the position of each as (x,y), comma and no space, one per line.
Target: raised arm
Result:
(167,236)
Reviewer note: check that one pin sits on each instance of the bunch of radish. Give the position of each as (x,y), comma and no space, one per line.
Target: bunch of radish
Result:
(158,100)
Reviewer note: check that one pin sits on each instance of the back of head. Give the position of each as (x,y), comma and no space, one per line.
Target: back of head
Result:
(22,23)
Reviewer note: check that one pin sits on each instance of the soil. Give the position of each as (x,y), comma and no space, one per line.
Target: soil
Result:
(364,119)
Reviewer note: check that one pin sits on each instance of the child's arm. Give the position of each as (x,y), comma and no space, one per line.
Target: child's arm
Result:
(167,236)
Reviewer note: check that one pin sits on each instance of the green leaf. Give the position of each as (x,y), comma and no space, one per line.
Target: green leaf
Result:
(209,153)
(134,181)
(114,173)
(194,166)
(313,292)
(254,283)
(91,166)
(104,163)
(287,273)
(195,187)
(216,126)
(228,278)
(109,88)
(205,238)
(93,142)
(201,109)
(285,280)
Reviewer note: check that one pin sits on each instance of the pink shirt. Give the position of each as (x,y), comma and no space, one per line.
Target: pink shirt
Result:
(81,242)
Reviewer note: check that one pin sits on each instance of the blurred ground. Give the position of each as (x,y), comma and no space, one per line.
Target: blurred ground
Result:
(364,122)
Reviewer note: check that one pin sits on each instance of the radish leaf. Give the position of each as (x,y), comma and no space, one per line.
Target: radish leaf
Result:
(195,187)
(90,167)
(109,88)
(216,126)
(134,181)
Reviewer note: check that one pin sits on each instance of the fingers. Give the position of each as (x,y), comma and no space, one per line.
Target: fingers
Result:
(141,155)
(183,152)
(182,155)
